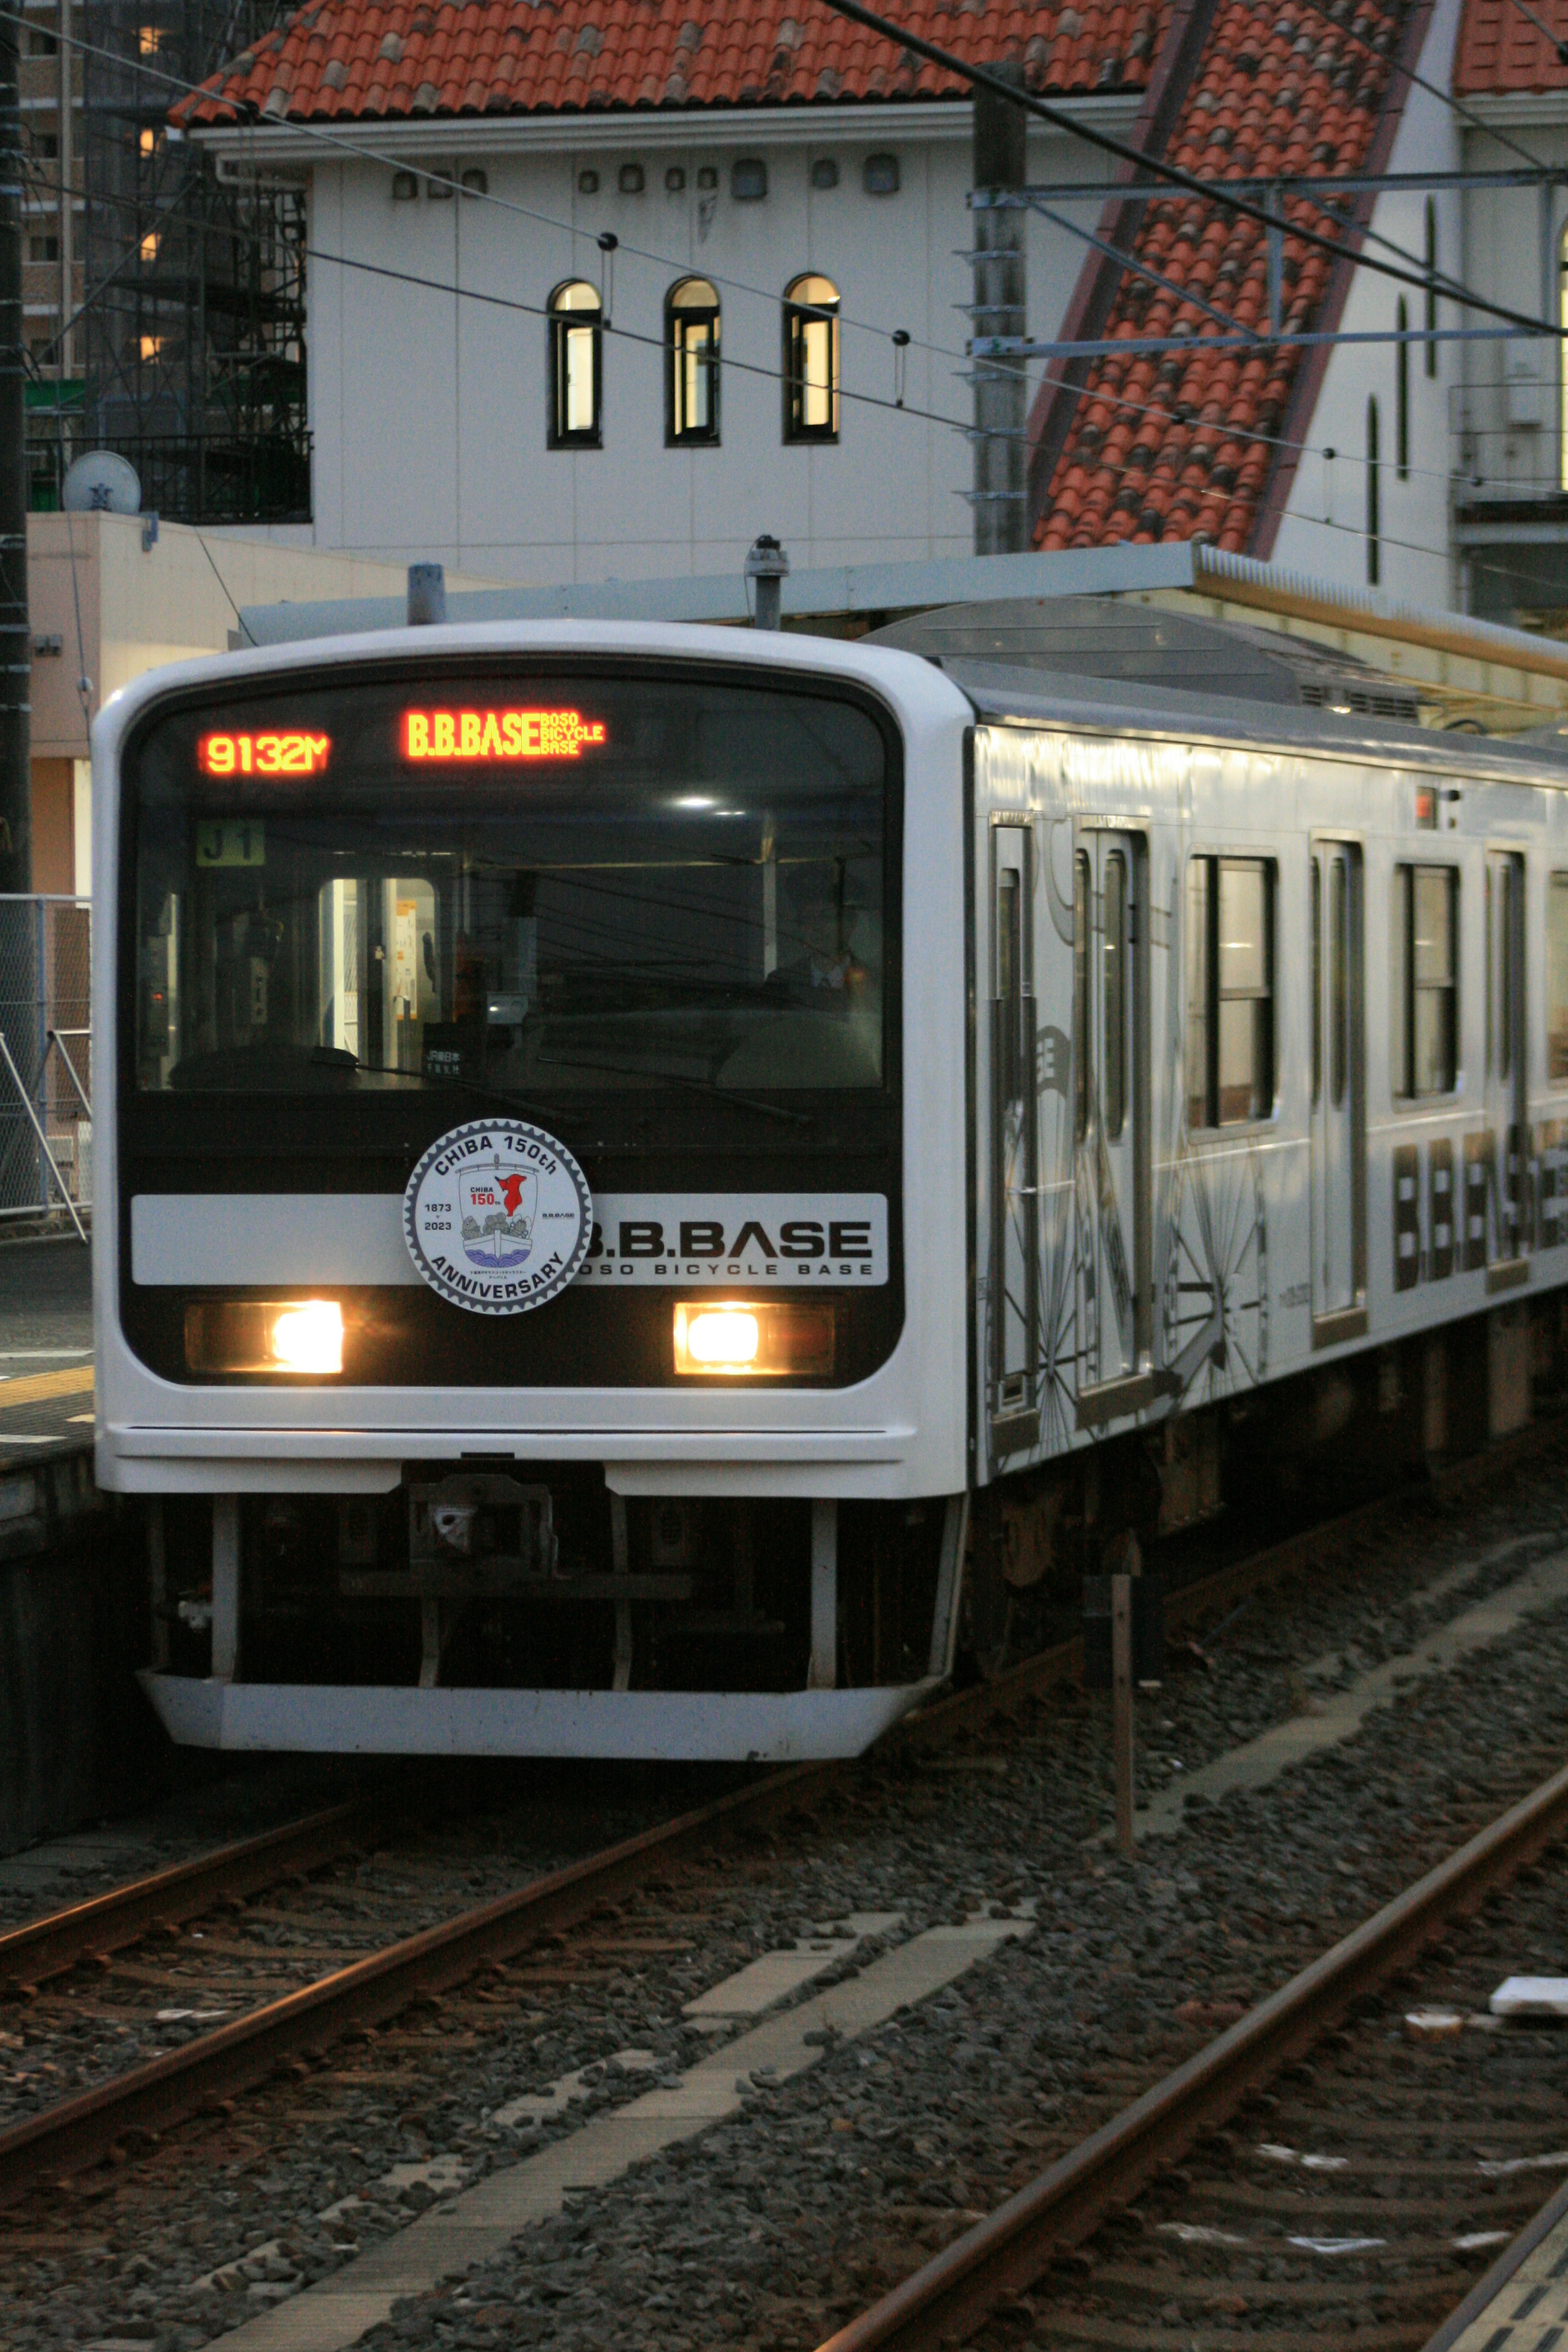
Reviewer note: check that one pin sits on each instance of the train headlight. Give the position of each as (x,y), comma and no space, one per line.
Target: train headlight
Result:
(718,1336)
(302,1339)
(739,1337)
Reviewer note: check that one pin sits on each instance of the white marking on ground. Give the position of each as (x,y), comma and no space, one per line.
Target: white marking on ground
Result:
(1339,1714)
(483,2221)
(777,1974)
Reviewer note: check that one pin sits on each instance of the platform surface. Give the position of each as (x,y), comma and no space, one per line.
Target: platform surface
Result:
(45,1349)
(1522,2304)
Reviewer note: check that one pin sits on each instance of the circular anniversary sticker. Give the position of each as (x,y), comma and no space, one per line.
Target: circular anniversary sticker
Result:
(498,1216)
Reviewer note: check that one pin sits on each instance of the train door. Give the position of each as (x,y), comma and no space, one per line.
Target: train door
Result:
(1110,1079)
(1339,1190)
(1507,1089)
(1015,1271)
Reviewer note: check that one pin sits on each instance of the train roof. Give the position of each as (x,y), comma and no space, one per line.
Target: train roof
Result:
(1144,644)
(1084,660)
(1003,692)
(1006,698)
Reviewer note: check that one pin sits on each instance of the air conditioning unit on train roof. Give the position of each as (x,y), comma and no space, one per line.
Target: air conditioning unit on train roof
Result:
(1147,647)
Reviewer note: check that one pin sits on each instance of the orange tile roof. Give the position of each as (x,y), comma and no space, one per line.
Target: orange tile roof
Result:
(1499,49)
(343,60)
(1167,446)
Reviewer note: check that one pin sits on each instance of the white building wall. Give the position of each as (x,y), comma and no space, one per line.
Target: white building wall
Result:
(1324,531)
(1510,422)
(429,411)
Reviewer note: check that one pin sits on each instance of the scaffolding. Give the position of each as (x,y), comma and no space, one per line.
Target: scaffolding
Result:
(192,333)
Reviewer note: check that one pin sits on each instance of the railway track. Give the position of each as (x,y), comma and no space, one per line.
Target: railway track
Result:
(1285,2198)
(295,2029)
(168,1898)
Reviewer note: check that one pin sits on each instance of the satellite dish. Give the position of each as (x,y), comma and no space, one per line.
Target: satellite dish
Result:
(99,482)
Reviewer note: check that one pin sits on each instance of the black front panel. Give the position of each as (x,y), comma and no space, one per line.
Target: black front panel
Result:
(653,910)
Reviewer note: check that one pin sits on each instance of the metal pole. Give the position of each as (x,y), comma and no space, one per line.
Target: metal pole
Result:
(1000,517)
(426,595)
(767,566)
(64,214)
(15,637)
(1122,1708)
(824,1671)
(225,1589)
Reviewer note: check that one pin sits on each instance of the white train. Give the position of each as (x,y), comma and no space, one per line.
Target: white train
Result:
(654,1182)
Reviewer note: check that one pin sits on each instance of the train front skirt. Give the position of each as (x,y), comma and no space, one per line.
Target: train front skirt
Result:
(685,1727)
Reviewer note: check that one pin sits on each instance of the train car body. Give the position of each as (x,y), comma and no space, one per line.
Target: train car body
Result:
(651,1179)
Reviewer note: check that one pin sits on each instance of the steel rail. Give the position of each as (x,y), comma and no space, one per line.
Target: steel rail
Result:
(185,1890)
(81,2130)
(949,2296)
(144,2101)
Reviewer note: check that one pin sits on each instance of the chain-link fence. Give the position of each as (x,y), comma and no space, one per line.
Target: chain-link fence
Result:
(45,1064)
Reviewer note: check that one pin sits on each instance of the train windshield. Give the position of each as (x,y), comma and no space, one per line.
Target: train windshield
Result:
(538,882)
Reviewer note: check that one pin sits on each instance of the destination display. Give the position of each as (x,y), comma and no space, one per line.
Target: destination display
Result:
(498,734)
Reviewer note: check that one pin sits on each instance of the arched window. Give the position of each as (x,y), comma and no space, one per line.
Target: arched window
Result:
(1374,501)
(1402,392)
(691,371)
(811,360)
(576,367)
(1431,289)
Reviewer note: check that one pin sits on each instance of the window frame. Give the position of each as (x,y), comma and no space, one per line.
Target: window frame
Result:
(1114,968)
(1402,1080)
(1266,1066)
(678,317)
(562,325)
(1556,894)
(799,315)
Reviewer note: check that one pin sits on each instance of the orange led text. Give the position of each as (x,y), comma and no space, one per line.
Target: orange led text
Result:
(287,753)
(498,734)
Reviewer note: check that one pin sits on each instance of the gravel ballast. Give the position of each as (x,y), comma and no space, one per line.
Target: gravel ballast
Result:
(770,2229)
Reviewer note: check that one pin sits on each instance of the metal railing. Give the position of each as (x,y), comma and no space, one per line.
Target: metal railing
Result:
(46,1057)
(1507,440)
(195,478)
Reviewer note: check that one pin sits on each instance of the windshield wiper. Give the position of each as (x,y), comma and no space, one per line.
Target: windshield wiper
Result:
(339,1056)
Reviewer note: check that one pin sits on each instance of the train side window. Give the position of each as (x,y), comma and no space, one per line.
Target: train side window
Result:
(1230,990)
(1339,980)
(1557,978)
(1198,896)
(1009,978)
(1080,1005)
(1115,944)
(1425,980)
(1506,917)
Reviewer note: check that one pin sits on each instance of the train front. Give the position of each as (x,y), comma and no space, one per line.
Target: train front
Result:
(530,1254)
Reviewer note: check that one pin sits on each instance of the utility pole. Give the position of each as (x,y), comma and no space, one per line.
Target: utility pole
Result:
(998,309)
(16,636)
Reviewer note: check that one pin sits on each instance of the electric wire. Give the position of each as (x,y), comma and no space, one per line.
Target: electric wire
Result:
(1542,26)
(1214,192)
(1090,392)
(356,149)
(1175,175)
(1210,192)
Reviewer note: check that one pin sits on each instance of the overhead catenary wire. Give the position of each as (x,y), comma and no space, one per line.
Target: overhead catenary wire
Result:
(1214,192)
(1541,24)
(1091,391)
(1176,175)
(355,150)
